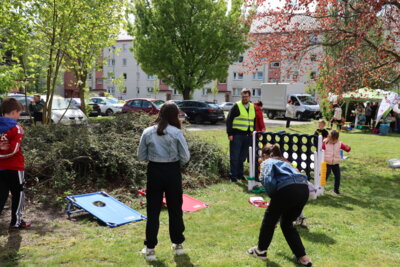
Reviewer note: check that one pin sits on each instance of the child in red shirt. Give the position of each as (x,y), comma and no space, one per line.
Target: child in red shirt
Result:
(12,162)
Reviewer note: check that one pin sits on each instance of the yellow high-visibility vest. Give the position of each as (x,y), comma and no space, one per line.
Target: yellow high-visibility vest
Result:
(245,119)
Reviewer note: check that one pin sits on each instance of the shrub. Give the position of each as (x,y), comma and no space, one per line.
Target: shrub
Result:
(68,158)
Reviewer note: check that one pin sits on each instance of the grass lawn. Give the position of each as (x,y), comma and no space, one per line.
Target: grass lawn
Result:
(358,228)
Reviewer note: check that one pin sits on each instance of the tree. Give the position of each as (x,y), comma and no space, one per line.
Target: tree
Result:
(187,43)
(14,37)
(358,39)
(99,25)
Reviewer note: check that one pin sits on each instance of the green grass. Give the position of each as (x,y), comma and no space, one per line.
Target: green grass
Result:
(358,228)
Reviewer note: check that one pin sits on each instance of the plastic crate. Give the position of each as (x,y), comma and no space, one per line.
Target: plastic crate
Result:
(384,129)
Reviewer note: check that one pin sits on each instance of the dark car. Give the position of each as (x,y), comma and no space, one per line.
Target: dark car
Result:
(199,111)
(25,117)
(94,110)
(148,105)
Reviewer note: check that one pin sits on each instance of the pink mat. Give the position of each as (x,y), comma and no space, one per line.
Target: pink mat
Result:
(189,204)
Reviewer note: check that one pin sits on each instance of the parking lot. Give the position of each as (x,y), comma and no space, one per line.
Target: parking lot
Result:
(218,126)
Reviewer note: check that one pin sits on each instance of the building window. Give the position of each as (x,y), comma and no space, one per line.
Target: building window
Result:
(150,77)
(236,91)
(295,75)
(256,92)
(110,75)
(258,76)
(240,59)
(110,90)
(99,81)
(313,75)
(124,61)
(111,62)
(125,76)
(237,76)
(313,57)
(137,90)
(206,91)
(90,76)
(223,81)
(275,65)
(124,49)
(176,92)
(150,89)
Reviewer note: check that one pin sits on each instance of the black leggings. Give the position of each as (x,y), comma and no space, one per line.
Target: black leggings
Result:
(164,178)
(287,204)
(336,172)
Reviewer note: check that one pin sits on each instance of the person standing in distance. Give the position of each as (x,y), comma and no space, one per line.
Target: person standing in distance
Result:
(165,147)
(36,107)
(240,125)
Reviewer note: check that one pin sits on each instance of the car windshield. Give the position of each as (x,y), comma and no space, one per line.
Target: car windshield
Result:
(62,103)
(307,100)
(158,103)
(111,100)
(213,105)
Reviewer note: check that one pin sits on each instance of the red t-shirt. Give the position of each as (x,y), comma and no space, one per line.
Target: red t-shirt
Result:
(12,158)
(260,125)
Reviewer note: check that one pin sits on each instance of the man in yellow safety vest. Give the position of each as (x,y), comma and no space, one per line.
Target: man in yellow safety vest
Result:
(240,125)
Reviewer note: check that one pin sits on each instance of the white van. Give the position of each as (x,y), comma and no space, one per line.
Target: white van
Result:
(64,112)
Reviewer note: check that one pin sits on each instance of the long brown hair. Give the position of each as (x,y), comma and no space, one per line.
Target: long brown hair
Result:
(273,151)
(333,136)
(168,115)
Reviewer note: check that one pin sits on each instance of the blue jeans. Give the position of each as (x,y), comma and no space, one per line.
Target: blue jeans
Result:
(239,151)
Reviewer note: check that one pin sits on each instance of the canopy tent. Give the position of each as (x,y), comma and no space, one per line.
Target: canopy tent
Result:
(360,95)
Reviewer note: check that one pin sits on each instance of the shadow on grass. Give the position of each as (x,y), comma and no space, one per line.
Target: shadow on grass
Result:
(316,237)
(157,263)
(9,253)
(9,250)
(183,261)
(382,187)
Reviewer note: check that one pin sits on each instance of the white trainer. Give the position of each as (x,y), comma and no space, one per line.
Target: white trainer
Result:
(178,249)
(149,254)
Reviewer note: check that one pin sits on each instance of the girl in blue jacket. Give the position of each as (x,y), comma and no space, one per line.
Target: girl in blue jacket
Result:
(288,190)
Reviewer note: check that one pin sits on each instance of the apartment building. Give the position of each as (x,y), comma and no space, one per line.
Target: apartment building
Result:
(120,63)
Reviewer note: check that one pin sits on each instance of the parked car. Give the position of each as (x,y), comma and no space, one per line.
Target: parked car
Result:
(148,105)
(94,109)
(25,118)
(199,111)
(226,106)
(64,113)
(108,105)
(75,101)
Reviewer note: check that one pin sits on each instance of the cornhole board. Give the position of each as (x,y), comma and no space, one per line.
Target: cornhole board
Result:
(104,207)
(189,204)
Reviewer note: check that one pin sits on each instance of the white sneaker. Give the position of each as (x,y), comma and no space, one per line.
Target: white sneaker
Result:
(178,249)
(149,254)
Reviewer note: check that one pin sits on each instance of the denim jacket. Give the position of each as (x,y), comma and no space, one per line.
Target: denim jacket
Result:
(277,174)
(170,147)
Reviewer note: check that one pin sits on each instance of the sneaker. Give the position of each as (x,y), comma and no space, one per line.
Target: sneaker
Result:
(337,192)
(149,254)
(257,253)
(22,225)
(304,263)
(300,222)
(178,249)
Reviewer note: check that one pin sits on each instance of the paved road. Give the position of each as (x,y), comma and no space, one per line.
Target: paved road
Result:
(221,125)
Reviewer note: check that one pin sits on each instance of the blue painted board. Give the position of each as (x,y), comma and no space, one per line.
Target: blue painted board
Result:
(106,208)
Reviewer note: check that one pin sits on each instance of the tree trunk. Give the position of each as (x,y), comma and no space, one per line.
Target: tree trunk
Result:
(186,93)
